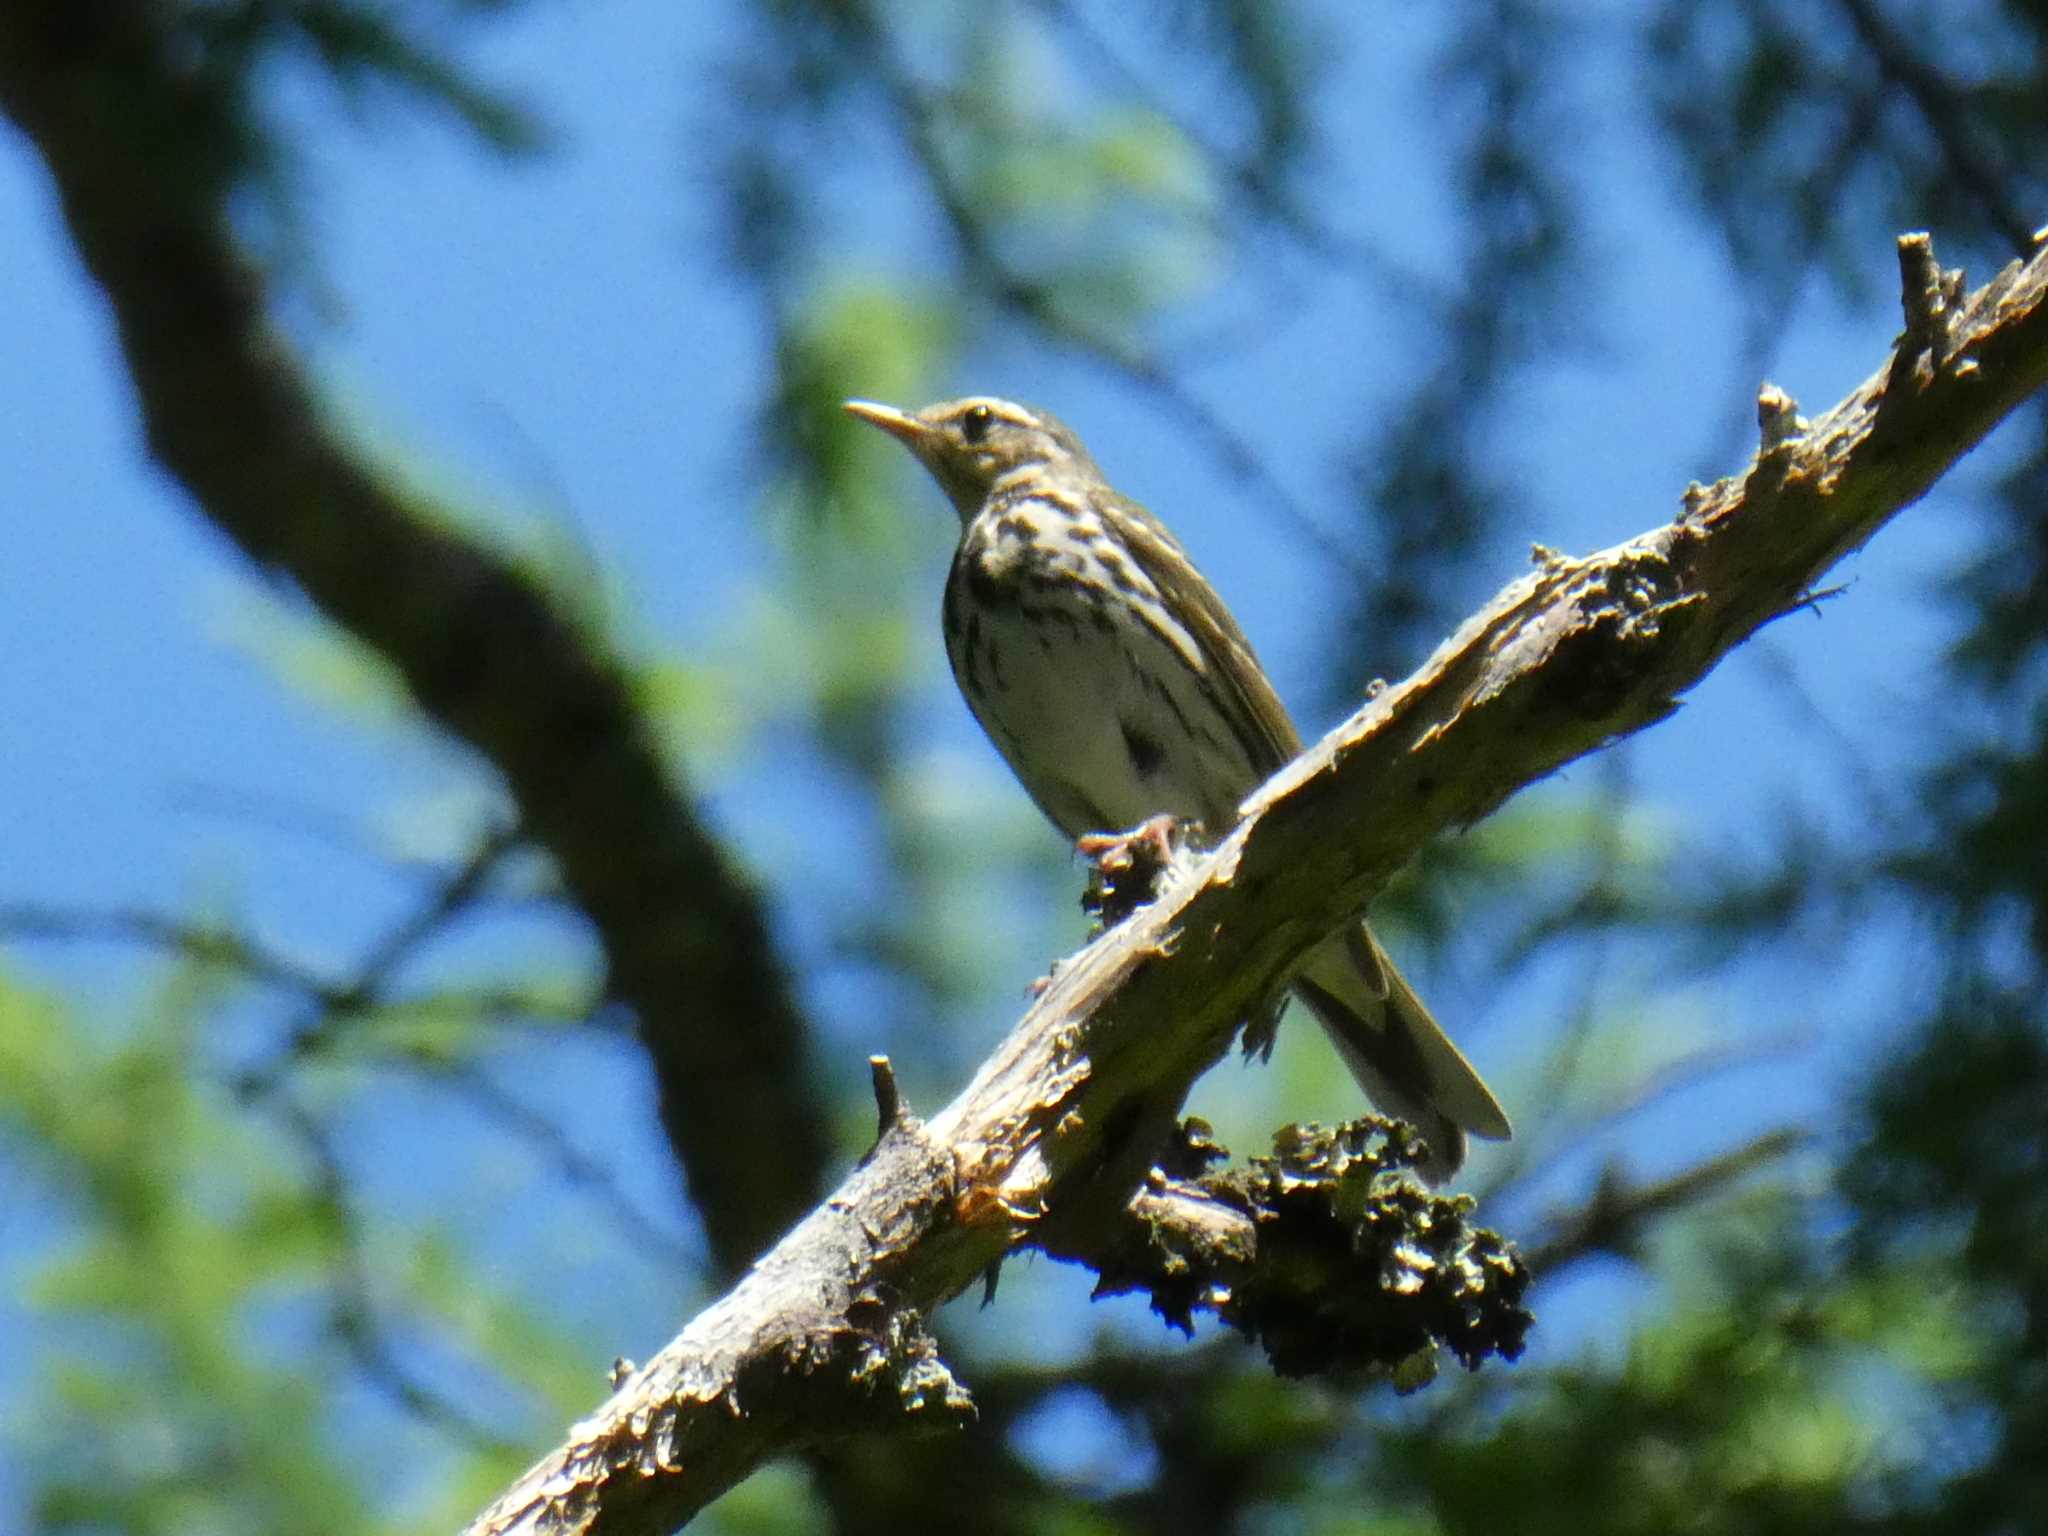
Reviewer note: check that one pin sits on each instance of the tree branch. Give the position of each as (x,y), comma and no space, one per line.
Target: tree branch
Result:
(1972,165)
(826,1336)
(1621,1212)
(131,125)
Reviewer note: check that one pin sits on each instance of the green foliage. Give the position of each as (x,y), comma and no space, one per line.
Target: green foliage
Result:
(185,1221)
(216,1293)
(1950,1190)
(224,1311)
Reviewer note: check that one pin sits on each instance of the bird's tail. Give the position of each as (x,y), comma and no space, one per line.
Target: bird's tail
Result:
(1400,1055)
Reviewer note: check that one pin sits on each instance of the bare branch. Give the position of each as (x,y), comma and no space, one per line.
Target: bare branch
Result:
(826,1337)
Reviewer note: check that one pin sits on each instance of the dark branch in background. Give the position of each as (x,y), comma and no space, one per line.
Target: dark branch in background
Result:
(355,1002)
(827,1336)
(1621,1213)
(457,890)
(141,146)
(352,1315)
(1970,162)
(203,944)
(1841,102)
(576,1167)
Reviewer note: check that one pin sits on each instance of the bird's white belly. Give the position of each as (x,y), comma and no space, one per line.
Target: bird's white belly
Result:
(1106,724)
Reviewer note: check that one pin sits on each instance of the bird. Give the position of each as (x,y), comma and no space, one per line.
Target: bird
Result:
(1118,687)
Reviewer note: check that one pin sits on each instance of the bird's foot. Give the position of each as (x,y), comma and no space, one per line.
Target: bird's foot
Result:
(1127,866)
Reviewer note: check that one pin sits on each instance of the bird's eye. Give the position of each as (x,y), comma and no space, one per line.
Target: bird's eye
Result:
(975,424)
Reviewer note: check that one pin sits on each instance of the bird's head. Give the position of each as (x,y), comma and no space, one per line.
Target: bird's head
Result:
(969,445)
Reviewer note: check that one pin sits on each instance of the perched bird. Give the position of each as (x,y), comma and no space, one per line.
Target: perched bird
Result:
(1118,686)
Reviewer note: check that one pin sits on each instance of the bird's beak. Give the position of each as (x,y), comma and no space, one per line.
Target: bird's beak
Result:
(901,425)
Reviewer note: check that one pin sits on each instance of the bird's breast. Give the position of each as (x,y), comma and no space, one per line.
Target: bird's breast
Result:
(1099,698)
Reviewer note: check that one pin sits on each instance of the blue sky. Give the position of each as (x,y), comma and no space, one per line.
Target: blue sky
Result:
(557,339)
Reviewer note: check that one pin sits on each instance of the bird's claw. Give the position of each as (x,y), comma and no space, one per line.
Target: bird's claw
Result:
(1128,865)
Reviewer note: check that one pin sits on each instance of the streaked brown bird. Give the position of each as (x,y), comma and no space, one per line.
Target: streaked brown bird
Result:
(1118,686)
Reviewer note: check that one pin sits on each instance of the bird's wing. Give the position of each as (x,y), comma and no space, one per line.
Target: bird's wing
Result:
(1239,680)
